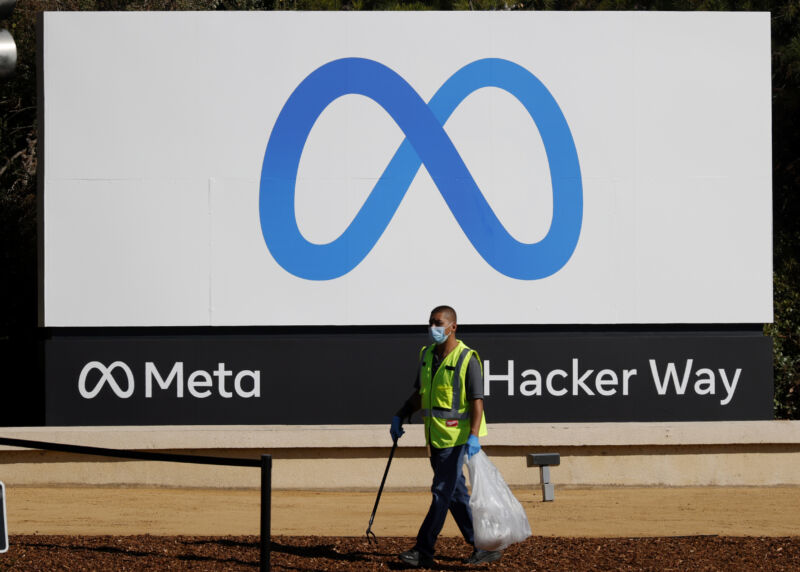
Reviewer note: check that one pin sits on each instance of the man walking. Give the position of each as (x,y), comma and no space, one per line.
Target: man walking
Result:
(449,390)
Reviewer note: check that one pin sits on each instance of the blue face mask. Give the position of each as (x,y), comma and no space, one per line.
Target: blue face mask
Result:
(437,334)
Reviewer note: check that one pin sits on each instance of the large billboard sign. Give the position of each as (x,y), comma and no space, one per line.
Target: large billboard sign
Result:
(274,169)
(591,192)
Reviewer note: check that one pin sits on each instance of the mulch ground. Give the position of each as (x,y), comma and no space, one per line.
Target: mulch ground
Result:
(38,552)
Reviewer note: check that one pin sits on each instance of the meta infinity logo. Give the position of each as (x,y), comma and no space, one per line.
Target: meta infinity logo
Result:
(106,376)
(426,142)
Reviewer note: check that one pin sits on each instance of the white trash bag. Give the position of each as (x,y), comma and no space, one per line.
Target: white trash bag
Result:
(497,516)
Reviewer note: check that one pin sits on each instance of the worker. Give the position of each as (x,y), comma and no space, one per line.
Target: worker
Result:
(449,390)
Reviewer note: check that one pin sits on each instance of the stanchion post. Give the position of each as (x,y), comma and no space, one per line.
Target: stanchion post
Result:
(266,510)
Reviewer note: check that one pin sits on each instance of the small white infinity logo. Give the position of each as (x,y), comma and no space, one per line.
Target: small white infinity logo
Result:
(106,377)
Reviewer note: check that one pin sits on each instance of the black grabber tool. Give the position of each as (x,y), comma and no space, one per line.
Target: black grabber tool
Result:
(371,535)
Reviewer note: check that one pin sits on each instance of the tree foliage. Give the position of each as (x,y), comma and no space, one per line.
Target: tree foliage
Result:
(19,137)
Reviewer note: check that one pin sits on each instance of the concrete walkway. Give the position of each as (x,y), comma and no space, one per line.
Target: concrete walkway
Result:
(595,511)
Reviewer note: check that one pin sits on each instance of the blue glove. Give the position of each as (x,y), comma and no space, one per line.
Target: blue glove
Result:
(473,446)
(397,428)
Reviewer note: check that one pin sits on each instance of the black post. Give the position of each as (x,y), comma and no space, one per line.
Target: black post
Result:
(266,510)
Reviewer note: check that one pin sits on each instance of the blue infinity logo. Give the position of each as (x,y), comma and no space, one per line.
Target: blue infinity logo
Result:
(426,142)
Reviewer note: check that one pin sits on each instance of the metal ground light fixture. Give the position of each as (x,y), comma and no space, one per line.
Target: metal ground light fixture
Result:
(544,461)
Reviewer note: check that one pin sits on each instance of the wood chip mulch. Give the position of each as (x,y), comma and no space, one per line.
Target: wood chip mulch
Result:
(39,552)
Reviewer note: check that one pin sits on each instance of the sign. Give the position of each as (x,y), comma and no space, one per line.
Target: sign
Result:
(3,520)
(348,378)
(305,169)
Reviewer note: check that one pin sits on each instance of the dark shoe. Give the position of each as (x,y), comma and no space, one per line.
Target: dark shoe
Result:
(414,558)
(484,556)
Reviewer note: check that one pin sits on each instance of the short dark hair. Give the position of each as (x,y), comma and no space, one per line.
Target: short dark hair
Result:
(447,311)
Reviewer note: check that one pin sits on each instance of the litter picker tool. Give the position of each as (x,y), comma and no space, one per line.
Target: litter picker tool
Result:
(371,535)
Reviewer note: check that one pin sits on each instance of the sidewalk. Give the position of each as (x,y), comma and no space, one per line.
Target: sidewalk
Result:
(582,512)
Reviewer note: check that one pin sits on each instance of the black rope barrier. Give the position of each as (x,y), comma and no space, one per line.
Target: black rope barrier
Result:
(141,455)
(265,464)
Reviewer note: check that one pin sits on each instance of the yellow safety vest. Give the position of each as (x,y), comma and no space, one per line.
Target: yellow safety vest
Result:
(445,407)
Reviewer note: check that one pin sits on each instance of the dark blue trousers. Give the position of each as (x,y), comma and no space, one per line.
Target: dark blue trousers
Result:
(449,493)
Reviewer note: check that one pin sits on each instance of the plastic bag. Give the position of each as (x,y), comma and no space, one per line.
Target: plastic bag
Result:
(498,518)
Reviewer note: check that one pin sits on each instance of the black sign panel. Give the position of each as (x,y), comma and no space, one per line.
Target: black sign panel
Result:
(3,525)
(360,378)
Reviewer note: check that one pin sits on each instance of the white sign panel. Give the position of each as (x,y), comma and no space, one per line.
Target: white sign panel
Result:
(3,520)
(362,168)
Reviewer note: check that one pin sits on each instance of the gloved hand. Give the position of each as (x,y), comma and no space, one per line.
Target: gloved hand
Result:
(397,428)
(473,446)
